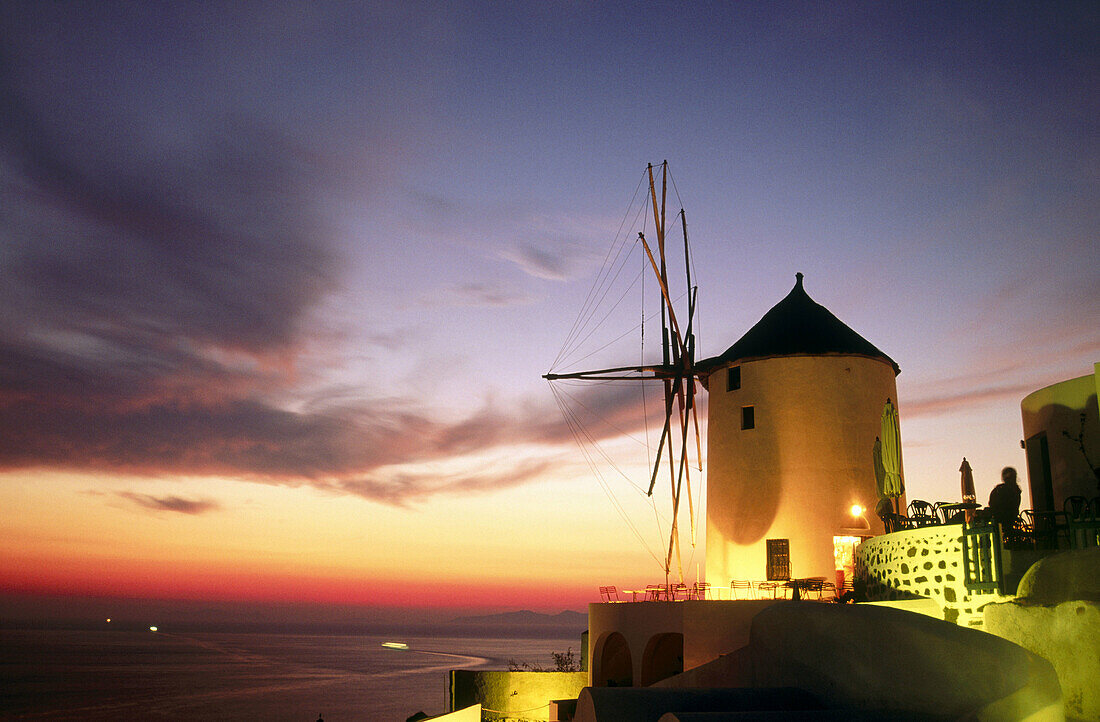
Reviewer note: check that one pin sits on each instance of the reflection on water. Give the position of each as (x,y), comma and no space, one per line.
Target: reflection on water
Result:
(68,675)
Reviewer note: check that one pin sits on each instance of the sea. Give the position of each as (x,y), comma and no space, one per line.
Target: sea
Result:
(67,674)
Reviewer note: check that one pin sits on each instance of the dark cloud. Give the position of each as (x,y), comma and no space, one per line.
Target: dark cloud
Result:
(161,256)
(170,503)
(357,449)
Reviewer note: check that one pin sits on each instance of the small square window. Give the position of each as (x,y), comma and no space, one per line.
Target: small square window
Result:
(733,378)
(748,417)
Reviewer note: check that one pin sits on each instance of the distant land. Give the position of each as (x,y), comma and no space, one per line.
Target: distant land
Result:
(33,611)
(527,618)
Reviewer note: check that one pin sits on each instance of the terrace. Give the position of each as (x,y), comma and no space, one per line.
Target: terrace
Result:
(962,566)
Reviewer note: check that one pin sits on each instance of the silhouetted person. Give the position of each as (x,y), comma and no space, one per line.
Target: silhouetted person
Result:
(1004,500)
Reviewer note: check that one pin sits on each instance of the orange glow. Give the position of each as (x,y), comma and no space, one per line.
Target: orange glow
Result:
(278,544)
(231,582)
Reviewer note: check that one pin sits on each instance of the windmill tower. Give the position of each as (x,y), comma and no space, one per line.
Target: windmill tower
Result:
(794,411)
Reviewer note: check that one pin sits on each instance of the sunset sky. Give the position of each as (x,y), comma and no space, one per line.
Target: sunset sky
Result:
(278,281)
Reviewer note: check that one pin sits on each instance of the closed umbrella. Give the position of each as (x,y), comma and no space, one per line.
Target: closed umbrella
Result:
(880,472)
(968,487)
(892,486)
(967,481)
(883,507)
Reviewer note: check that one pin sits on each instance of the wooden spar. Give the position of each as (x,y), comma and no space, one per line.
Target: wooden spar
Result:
(695,421)
(662,275)
(677,486)
(691,367)
(660,450)
(687,268)
(662,282)
(693,294)
(675,531)
(658,372)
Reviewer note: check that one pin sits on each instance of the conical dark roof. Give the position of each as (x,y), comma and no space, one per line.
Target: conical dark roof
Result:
(798,326)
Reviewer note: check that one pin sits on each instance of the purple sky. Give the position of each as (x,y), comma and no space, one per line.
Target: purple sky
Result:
(329,247)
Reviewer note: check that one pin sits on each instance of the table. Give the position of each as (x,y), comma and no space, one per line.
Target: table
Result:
(634,593)
(965,506)
(807,584)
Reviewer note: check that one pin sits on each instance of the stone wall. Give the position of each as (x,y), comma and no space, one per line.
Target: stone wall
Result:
(1057,616)
(510,696)
(1066,634)
(917,563)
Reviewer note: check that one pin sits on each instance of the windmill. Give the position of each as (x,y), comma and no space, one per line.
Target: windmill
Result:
(677,372)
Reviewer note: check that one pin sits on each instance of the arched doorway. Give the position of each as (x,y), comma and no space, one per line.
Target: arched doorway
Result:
(663,657)
(614,667)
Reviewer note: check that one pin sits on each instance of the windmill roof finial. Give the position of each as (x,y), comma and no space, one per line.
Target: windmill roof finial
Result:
(798,278)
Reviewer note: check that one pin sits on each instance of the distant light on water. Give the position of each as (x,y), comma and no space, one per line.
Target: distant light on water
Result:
(152,629)
(108,620)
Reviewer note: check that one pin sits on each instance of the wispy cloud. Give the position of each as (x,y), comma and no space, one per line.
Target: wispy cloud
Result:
(943,403)
(539,262)
(402,488)
(170,503)
(478,294)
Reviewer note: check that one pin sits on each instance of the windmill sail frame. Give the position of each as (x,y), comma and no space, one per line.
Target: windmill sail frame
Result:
(677,373)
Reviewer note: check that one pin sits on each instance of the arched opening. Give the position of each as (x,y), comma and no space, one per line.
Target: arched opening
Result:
(663,658)
(614,667)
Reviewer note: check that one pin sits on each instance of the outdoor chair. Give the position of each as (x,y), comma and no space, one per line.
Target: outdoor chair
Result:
(654,592)
(896,522)
(828,587)
(1076,507)
(678,592)
(765,589)
(610,594)
(700,590)
(922,513)
(810,586)
(941,513)
(736,585)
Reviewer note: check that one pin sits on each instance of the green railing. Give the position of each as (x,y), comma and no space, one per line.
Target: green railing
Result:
(981,548)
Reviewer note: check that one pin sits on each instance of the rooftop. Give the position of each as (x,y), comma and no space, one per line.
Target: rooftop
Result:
(798,326)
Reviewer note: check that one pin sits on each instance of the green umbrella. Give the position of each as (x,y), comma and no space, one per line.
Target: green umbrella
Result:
(892,486)
(880,472)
